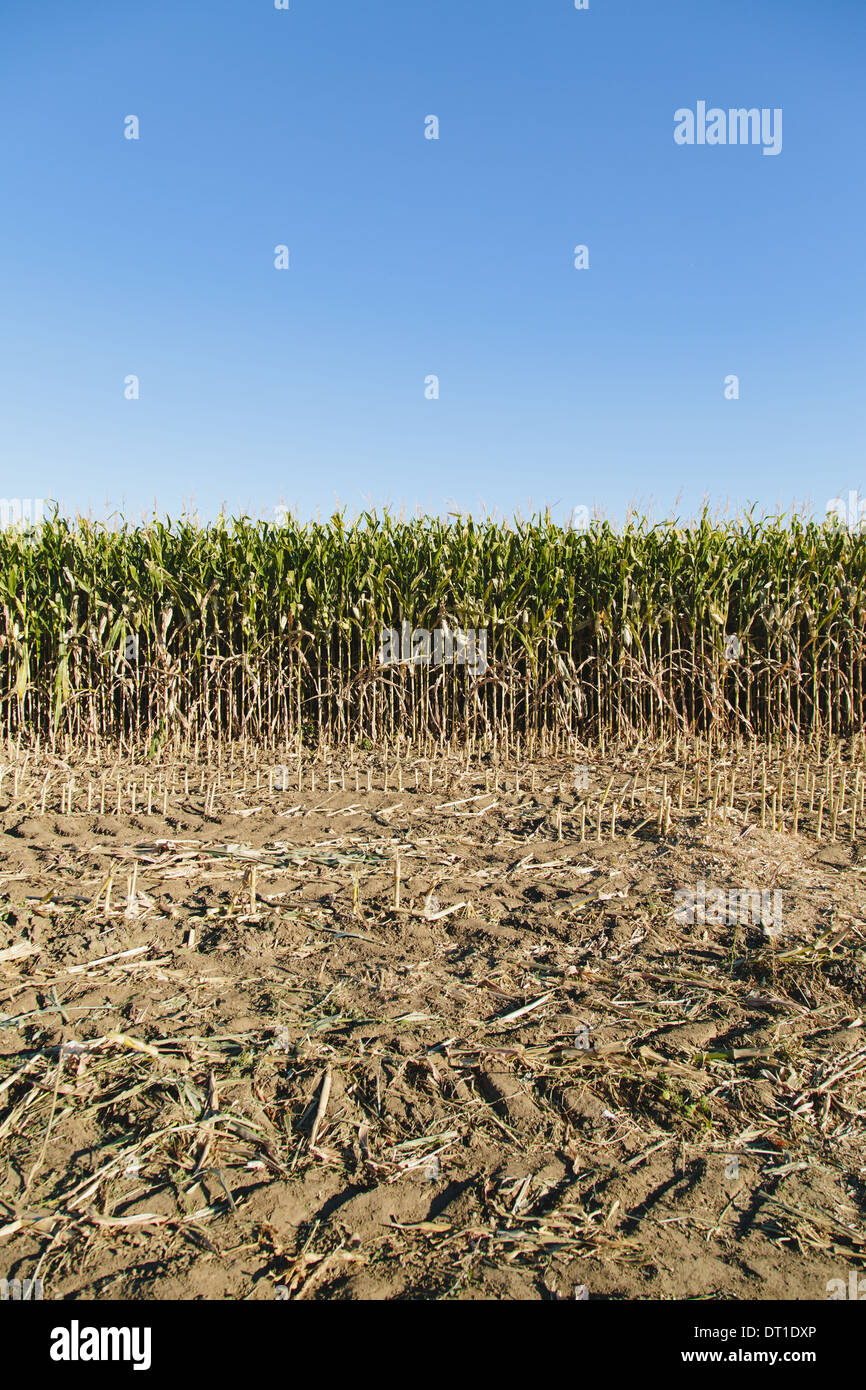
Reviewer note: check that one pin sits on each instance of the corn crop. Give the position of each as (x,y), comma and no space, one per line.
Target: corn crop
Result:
(249,629)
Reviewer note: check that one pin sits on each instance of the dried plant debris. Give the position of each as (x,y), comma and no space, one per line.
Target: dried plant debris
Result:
(434,1025)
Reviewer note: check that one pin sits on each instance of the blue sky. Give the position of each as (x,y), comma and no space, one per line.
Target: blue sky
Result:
(412,257)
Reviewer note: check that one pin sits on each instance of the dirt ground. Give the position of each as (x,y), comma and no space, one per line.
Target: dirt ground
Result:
(406,1035)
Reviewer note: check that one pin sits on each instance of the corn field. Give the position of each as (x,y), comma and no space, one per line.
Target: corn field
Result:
(247,629)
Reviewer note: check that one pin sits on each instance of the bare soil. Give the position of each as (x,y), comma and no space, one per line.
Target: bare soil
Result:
(240,1060)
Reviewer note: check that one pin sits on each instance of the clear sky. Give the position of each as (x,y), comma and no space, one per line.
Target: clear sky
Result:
(411,257)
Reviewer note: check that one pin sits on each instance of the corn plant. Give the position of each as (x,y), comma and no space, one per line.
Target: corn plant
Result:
(270,632)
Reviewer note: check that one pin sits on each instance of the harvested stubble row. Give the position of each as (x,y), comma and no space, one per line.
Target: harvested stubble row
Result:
(819,791)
